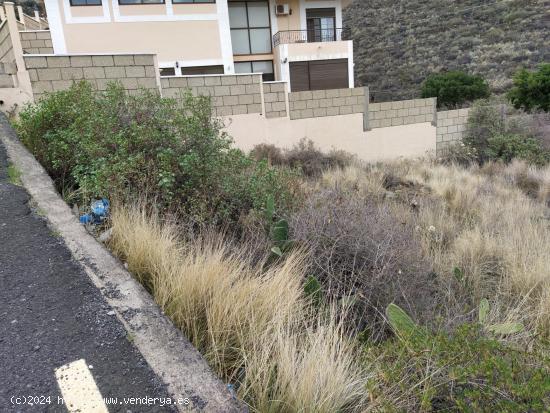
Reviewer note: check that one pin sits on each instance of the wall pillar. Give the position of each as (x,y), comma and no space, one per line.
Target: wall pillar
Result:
(366,122)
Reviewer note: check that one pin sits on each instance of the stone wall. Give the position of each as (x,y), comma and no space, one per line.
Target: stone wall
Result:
(6,46)
(275,99)
(51,73)
(321,103)
(36,42)
(403,112)
(451,126)
(231,94)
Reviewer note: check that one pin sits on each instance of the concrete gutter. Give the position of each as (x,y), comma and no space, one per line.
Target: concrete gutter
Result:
(176,362)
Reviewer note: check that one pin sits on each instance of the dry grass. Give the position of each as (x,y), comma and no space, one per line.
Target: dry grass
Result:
(490,223)
(254,326)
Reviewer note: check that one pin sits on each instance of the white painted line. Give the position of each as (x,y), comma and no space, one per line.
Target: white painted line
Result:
(78,388)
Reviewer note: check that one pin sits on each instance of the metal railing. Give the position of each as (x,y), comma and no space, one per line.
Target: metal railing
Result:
(307,36)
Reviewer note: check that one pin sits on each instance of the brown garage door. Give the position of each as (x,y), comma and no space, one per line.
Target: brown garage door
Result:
(319,75)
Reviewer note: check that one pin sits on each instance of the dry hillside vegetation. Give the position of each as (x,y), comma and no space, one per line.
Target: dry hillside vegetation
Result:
(395,232)
(397,44)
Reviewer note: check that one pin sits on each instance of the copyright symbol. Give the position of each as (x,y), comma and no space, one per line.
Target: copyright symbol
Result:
(15,400)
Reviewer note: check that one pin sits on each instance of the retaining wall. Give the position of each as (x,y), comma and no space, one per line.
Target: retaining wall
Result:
(231,94)
(321,103)
(51,73)
(403,112)
(451,126)
(275,95)
(36,42)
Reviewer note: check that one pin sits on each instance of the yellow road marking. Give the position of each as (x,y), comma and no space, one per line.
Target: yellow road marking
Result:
(78,388)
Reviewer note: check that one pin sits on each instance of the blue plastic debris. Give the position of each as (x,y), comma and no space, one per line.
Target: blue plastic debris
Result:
(100,210)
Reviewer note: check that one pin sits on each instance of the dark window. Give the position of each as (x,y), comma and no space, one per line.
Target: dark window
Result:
(193,1)
(85,2)
(127,2)
(250,27)
(261,66)
(202,70)
(167,71)
(321,25)
(319,75)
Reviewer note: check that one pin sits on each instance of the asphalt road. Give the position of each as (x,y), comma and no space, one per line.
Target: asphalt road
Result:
(51,315)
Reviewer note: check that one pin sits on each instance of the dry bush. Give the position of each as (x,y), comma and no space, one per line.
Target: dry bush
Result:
(366,248)
(303,156)
(252,324)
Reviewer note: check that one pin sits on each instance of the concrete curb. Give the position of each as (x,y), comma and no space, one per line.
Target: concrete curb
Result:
(176,362)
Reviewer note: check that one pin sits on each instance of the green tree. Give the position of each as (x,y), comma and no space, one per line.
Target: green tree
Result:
(453,89)
(531,90)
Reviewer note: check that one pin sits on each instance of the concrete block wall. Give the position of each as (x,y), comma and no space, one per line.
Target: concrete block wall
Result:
(403,112)
(230,94)
(50,73)
(6,46)
(451,126)
(275,94)
(321,103)
(36,41)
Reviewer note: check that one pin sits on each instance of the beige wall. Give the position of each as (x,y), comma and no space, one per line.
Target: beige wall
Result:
(291,22)
(318,51)
(403,112)
(343,132)
(36,42)
(231,94)
(169,40)
(192,40)
(320,103)
(52,73)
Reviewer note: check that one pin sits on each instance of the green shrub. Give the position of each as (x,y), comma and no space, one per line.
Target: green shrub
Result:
(463,371)
(508,147)
(531,90)
(112,144)
(454,89)
(493,134)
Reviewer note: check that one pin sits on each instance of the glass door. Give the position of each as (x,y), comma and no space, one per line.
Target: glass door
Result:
(321,25)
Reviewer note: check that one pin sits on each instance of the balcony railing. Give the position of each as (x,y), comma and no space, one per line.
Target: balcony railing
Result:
(307,36)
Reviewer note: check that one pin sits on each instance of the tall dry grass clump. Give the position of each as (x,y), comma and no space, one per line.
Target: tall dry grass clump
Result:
(254,325)
(495,231)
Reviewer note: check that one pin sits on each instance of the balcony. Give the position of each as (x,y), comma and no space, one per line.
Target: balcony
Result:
(307,36)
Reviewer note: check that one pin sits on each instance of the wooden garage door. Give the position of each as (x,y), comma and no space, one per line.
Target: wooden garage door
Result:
(319,75)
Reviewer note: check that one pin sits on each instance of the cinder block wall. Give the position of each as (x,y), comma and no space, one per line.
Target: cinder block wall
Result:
(51,73)
(451,126)
(403,112)
(6,46)
(231,94)
(36,42)
(321,103)
(275,99)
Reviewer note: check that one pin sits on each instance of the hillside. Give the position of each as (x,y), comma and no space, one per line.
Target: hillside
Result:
(398,43)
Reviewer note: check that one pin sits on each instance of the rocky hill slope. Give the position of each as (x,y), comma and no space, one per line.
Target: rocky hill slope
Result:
(397,43)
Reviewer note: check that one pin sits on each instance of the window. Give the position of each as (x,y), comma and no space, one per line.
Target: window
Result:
(167,71)
(250,27)
(202,70)
(193,1)
(262,66)
(127,2)
(85,2)
(319,75)
(321,25)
